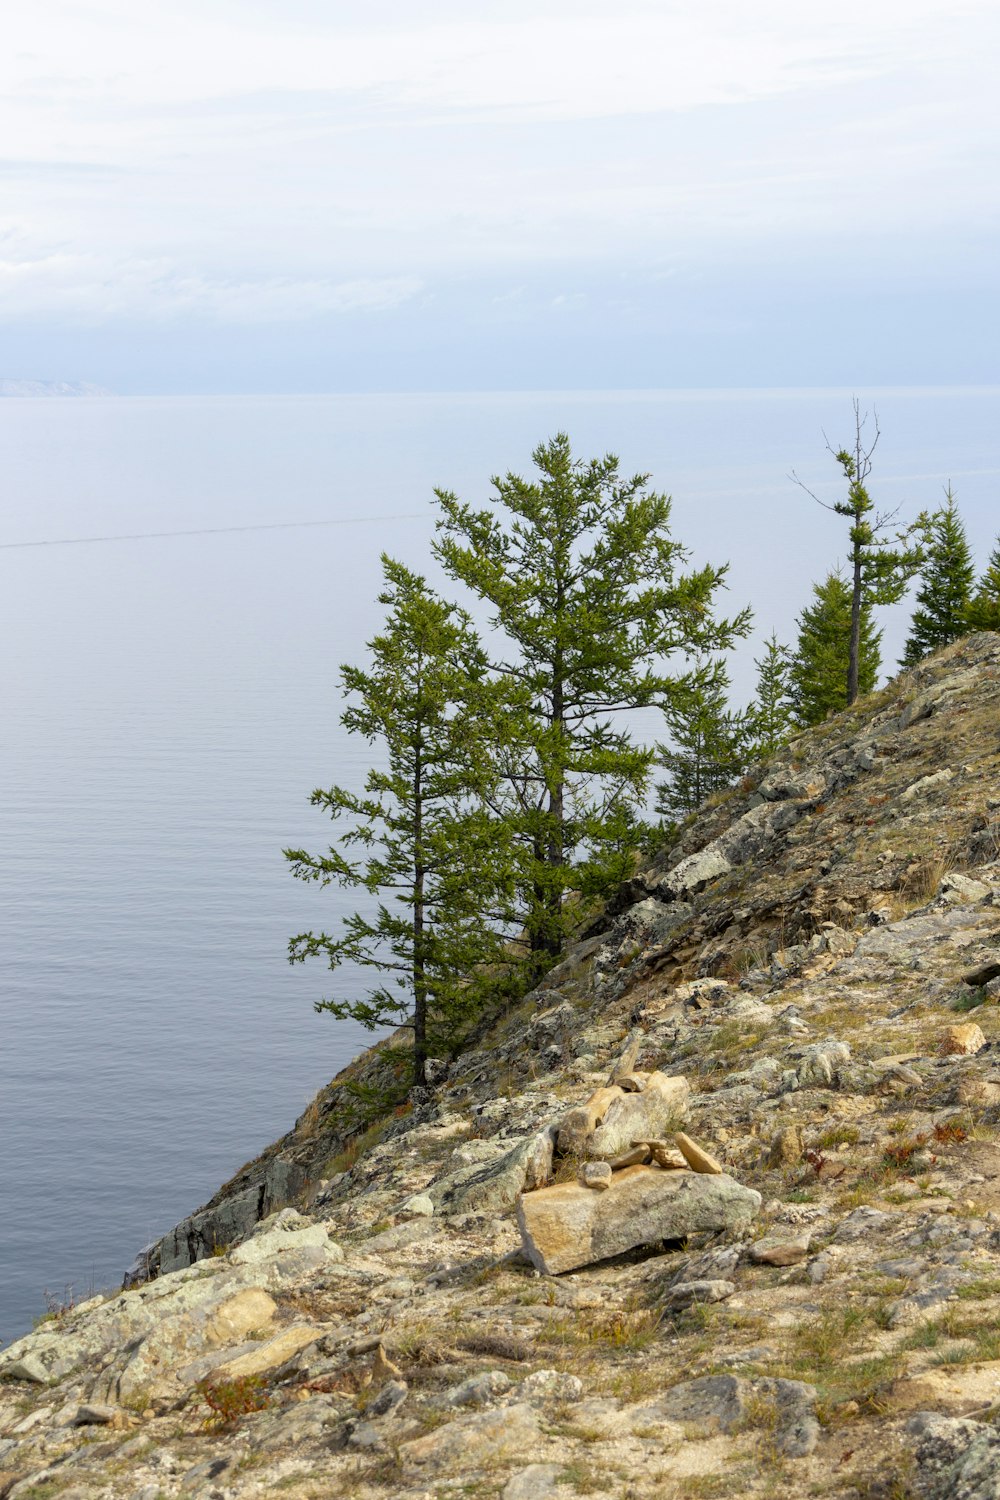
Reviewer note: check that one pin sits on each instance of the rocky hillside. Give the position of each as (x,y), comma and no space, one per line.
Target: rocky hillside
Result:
(716,1209)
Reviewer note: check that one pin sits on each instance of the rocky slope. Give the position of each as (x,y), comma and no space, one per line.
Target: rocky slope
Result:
(716,1209)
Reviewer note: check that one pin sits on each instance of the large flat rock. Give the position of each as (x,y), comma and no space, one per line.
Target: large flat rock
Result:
(568,1226)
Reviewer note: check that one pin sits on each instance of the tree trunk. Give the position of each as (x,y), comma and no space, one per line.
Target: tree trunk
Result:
(555,854)
(419,940)
(854,656)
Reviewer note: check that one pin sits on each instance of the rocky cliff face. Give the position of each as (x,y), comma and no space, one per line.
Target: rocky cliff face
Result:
(716,1208)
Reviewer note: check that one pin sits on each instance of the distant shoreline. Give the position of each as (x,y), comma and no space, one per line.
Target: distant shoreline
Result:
(51,388)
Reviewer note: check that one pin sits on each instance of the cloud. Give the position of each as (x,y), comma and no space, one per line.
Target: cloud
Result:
(250,161)
(85,289)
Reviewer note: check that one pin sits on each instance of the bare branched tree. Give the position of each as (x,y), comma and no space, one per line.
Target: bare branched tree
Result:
(882,559)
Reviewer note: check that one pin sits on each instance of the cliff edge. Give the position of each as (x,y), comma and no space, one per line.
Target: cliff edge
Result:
(717,1207)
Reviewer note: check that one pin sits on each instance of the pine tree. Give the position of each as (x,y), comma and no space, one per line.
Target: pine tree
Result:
(879,571)
(771,718)
(708,742)
(818,672)
(588,599)
(945,592)
(432,858)
(983,609)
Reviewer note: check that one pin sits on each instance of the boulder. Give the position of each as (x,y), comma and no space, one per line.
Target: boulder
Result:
(781,1249)
(272,1355)
(962,1041)
(567,1226)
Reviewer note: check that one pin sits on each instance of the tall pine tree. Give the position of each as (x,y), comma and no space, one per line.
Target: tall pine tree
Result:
(818,672)
(588,598)
(983,610)
(433,869)
(945,592)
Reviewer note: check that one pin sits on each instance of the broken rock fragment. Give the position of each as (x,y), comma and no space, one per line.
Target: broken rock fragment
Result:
(697,1158)
(567,1226)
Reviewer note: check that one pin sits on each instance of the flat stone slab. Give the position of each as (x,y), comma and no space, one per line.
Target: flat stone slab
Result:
(568,1226)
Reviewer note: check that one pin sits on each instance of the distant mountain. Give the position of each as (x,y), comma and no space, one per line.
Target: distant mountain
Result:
(51,388)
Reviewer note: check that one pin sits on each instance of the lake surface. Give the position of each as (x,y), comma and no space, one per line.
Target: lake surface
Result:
(168,704)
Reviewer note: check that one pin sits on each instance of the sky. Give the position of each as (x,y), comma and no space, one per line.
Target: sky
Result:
(330,195)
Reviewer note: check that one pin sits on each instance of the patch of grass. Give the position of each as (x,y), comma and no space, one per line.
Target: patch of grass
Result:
(838,1135)
(355,1147)
(629,1329)
(982,1287)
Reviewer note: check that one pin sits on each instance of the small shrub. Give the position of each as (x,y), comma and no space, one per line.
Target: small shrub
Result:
(228,1400)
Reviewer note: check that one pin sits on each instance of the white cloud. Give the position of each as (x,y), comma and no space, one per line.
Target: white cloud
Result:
(265,159)
(90,290)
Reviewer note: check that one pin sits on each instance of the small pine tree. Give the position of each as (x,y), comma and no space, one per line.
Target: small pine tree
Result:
(434,864)
(945,592)
(707,742)
(818,672)
(983,609)
(771,717)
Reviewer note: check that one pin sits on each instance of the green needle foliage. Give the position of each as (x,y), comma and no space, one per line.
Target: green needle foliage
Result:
(880,568)
(946,579)
(588,600)
(419,840)
(818,670)
(983,610)
(771,717)
(708,742)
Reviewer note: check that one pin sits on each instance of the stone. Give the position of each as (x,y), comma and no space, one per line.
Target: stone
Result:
(821,1064)
(926,784)
(536,1482)
(626,1057)
(958,887)
(982,974)
(697,1158)
(862,1224)
(280,1240)
(979,1092)
(390,1397)
(718,1399)
(777,1249)
(94,1414)
(726,1402)
(420,1206)
(631,1083)
(550,1385)
(957,1459)
(688,1293)
(567,1226)
(637,1156)
(272,1355)
(484,1389)
(489,1188)
(962,1040)
(482,1438)
(239,1317)
(786,1147)
(595,1174)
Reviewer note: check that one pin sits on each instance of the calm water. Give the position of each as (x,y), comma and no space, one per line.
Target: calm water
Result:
(168,704)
